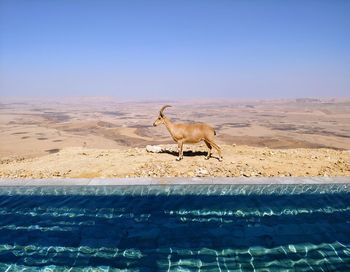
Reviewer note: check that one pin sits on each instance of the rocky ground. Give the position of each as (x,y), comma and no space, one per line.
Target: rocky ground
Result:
(80,162)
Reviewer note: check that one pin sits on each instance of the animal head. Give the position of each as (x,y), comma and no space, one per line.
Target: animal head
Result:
(160,119)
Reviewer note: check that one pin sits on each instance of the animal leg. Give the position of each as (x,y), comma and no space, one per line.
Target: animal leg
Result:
(213,144)
(209,150)
(180,148)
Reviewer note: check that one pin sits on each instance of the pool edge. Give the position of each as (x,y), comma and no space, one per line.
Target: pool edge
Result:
(171,181)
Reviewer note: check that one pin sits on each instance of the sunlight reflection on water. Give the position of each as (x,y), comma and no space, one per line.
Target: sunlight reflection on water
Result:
(176,228)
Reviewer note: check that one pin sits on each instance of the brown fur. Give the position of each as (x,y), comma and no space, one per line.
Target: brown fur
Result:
(189,133)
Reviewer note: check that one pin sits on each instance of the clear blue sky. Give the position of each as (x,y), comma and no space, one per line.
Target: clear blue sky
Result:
(175,49)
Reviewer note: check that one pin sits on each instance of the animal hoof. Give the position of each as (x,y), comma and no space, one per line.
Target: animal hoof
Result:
(207,158)
(220,159)
(178,159)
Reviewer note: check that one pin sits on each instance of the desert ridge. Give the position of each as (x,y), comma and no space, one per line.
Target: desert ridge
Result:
(246,161)
(107,137)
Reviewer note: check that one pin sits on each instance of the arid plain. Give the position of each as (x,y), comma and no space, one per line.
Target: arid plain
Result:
(90,137)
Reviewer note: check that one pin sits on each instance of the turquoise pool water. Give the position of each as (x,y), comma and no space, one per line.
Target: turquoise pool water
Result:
(175,228)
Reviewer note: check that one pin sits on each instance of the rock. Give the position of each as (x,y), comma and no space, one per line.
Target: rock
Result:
(56,174)
(153,148)
(201,172)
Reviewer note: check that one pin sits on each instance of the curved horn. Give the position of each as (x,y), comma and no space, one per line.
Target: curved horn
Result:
(163,108)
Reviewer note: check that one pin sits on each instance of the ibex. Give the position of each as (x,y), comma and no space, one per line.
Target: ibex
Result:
(188,133)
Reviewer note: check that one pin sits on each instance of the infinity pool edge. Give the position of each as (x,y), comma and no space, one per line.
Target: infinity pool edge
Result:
(171,181)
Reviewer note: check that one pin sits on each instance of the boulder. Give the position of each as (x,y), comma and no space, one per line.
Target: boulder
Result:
(153,148)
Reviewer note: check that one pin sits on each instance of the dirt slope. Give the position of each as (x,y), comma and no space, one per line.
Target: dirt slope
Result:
(79,162)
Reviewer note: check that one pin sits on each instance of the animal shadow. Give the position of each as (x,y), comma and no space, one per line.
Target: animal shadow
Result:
(188,153)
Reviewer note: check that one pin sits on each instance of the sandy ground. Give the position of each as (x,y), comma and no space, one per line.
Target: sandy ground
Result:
(106,137)
(137,162)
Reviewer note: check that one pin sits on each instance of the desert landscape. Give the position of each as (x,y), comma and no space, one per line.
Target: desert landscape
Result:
(88,137)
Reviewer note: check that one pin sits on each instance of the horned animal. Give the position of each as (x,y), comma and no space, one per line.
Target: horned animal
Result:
(189,133)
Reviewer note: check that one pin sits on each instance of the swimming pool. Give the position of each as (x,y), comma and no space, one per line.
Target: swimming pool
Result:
(176,228)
